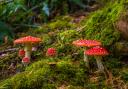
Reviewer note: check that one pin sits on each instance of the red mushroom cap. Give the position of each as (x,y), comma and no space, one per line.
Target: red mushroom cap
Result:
(99,51)
(51,52)
(25,60)
(88,43)
(21,52)
(27,39)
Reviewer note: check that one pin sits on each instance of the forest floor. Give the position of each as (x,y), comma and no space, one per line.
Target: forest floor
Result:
(65,71)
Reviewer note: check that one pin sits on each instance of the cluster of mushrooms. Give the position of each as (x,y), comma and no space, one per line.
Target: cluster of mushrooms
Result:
(97,51)
(26,52)
(28,41)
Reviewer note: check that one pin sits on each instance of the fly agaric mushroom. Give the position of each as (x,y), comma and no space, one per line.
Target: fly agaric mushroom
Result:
(26,60)
(51,52)
(97,52)
(21,52)
(27,41)
(86,43)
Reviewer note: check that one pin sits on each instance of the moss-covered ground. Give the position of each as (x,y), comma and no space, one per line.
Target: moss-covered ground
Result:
(67,70)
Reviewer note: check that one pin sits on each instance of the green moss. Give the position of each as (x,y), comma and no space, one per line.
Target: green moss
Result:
(61,23)
(40,75)
(14,82)
(74,87)
(124,74)
(41,29)
(64,48)
(49,86)
(112,63)
(38,78)
(19,81)
(35,79)
(47,39)
(36,65)
(100,25)
(68,36)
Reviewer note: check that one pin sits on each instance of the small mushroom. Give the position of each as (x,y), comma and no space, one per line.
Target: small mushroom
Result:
(25,60)
(86,43)
(27,41)
(97,52)
(21,53)
(51,52)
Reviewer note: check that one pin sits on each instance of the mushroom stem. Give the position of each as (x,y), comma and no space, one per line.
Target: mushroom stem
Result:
(86,60)
(28,49)
(99,63)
